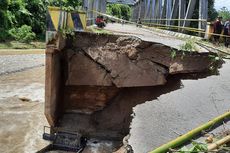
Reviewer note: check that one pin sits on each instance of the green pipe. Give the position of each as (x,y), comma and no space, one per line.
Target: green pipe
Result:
(191,134)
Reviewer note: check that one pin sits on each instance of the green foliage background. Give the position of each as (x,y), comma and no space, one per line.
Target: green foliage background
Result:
(225,13)
(16,13)
(119,10)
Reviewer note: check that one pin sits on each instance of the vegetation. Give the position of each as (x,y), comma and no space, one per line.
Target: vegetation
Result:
(189,46)
(21,45)
(119,10)
(22,34)
(225,13)
(173,53)
(196,148)
(99,30)
(27,18)
(212,13)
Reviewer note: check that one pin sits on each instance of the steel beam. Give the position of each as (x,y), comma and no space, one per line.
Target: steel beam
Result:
(103,6)
(85,5)
(189,13)
(175,11)
(168,11)
(203,13)
(160,8)
(147,10)
(135,11)
(97,5)
(157,11)
(142,8)
(163,14)
(139,10)
(182,8)
(152,16)
(90,13)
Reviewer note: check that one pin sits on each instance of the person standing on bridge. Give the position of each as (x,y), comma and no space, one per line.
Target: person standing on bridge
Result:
(139,22)
(227,32)
(218,27)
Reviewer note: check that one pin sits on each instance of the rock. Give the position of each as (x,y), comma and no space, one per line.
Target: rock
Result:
(24,99)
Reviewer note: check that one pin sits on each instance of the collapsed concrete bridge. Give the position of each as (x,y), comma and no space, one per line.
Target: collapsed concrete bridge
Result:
(94,80)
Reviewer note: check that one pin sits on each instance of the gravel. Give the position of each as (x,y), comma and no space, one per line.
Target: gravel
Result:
(16,63)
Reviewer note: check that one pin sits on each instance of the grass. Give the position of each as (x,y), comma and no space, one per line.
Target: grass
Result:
(189,46)
(19,45)
(98,30)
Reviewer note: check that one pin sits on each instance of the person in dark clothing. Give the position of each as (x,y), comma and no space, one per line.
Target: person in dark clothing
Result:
(227,33)
(218,27)
(139,22)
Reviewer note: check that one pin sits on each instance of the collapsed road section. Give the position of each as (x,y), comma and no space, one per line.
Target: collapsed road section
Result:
(90,77)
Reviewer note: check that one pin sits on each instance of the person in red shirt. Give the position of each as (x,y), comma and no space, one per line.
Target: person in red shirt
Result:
(100,22)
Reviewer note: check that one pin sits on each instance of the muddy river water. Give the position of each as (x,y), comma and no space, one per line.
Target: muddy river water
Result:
(181,105)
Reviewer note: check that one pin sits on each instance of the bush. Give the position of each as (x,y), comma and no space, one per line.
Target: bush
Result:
(3,35)
(22,34)
(119,10)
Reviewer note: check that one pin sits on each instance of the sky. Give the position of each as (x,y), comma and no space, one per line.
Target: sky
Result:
(221,3)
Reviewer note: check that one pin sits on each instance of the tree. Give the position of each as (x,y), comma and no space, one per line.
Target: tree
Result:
(119,10)
(125,12)
(225,13)
(37,19)
(74,4)
(212,13)
(4,4)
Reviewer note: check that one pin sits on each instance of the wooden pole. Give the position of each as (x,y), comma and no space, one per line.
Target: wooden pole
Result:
(191,134)
(219,143)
